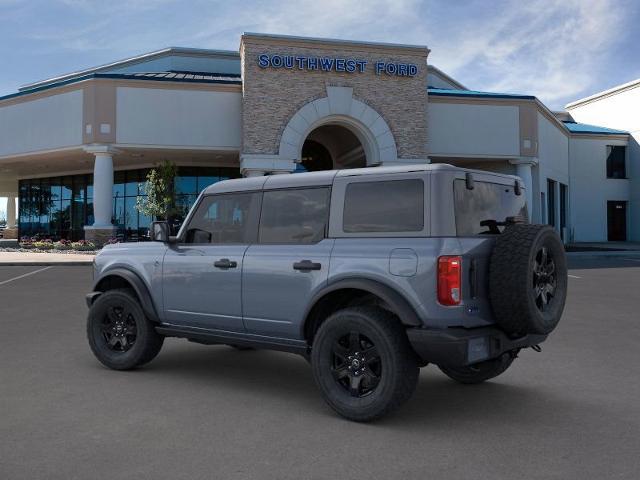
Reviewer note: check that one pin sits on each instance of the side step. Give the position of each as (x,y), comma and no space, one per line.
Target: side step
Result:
(216,337)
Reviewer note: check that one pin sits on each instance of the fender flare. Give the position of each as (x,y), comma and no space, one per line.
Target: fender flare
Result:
(138,285)
(400,306)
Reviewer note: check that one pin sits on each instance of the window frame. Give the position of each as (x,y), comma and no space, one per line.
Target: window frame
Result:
(608,150)
(325,233)
(338,196)
(252,223)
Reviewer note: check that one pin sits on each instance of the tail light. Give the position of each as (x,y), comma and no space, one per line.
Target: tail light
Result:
(449,280)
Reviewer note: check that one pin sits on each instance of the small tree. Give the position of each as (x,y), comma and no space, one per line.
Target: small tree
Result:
(160,200)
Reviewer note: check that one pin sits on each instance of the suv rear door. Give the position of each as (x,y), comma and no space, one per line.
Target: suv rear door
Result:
(202,274)
(289,263)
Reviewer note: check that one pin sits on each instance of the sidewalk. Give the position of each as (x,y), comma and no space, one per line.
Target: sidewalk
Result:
(44,259)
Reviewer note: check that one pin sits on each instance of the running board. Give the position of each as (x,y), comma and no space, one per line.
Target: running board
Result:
(217,337)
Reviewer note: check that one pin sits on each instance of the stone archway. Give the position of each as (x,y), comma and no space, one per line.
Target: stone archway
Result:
(340,109)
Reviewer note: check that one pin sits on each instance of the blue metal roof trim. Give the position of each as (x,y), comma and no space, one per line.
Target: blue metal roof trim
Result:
(173,77)
(445,92)
(575,127)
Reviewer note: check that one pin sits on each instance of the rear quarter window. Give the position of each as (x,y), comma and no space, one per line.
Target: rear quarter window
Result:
(384,206)
(487,201)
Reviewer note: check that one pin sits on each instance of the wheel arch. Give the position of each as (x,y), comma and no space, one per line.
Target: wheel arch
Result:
(338,295)
(124,278)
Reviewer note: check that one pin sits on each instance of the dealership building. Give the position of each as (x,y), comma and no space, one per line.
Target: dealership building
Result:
(75,149)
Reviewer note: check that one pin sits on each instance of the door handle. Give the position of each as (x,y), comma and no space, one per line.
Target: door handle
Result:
(225,263)
(306,265)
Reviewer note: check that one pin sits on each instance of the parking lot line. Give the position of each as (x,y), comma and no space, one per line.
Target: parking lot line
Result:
(25,275)
(573,276)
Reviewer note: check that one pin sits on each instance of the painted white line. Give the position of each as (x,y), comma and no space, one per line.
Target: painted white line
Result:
(573,276)
(25,275)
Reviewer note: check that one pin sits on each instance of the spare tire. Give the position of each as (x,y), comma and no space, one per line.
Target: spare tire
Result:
(528,279)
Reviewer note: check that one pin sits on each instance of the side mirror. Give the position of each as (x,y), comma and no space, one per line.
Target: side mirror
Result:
(160,232)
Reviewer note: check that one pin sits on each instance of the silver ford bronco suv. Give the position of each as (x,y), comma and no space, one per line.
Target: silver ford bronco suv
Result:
(369,273)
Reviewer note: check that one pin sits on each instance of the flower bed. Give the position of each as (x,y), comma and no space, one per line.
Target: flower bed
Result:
(46,245)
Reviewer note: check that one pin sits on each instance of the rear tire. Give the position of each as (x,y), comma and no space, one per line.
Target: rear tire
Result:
(363,363)
(120,335)
(479,372)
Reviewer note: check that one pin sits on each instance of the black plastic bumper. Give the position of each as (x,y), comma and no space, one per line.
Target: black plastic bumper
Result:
(456,347)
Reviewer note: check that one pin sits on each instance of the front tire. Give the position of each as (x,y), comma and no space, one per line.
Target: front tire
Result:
(480,372)
(120,335)
(363,363)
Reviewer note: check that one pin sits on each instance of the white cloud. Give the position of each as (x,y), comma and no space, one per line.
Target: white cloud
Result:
(553,49)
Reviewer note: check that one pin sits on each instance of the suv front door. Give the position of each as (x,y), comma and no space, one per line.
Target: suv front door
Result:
(289,263)
(202,273)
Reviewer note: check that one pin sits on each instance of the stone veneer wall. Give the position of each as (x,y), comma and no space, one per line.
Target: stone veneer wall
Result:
(271,96)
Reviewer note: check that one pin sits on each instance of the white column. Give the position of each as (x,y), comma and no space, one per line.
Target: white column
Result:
(11,212)
(523,170)
(256,165)
(102,185)
(253,173)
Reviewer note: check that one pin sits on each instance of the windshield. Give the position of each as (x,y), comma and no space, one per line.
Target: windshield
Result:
(486,202)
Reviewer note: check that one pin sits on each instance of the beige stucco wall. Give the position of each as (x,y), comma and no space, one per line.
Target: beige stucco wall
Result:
(272,96)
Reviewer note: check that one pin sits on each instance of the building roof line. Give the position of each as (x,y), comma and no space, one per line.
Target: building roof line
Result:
(224,79)
(333,41)
(604,93)
(131,61)
(566,127)
(446,76)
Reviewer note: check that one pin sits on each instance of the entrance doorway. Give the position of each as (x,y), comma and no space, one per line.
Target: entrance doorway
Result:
(617,221)
(331,147)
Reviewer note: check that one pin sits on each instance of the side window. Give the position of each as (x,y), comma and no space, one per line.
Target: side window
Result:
(294,216)
(385,206)
(224,218)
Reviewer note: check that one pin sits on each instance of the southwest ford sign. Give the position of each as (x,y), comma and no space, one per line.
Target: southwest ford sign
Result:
(334,64)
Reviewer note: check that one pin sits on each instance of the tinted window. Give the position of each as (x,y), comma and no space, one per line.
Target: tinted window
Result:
(487,201)
(389,206)
(616,167)
(294,216)
(224,219)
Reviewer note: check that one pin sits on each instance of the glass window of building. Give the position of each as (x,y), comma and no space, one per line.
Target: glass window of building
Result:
(616,161)
(60,207)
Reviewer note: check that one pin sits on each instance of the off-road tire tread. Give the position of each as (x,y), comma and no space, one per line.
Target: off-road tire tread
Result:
(508,277)
(407,371)
(151,346)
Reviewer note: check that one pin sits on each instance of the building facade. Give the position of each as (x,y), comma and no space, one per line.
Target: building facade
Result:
(75,149)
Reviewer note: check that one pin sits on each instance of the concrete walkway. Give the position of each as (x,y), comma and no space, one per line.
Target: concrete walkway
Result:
(36,259)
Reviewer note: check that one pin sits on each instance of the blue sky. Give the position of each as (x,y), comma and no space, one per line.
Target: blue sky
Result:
(558,50)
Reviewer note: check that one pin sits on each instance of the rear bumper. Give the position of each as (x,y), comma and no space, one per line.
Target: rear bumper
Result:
(456,347)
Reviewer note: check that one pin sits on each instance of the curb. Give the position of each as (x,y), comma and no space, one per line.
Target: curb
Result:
(45,264)
(613,254)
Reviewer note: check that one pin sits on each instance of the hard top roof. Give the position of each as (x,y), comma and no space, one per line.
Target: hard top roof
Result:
(326,177)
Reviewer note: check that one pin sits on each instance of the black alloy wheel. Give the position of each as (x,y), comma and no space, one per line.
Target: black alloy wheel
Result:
(119,328)
(120,334)
(357,365)
(544,280)
(363,363)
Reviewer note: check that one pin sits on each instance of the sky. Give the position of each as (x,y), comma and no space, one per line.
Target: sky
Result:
(558,50)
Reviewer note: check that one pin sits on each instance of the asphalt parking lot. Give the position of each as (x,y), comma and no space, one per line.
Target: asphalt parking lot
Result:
(198,412)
